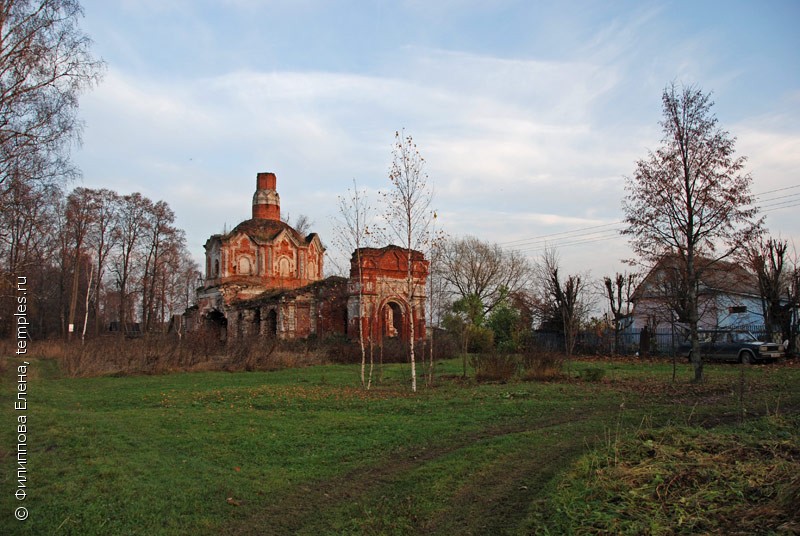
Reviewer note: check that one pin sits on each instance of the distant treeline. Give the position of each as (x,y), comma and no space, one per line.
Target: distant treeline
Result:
(90,258)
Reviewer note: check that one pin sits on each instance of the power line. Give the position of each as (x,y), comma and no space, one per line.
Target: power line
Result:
(584,235)
(777,190)
(559,245)
(790,196)
(540,237)
(783,207)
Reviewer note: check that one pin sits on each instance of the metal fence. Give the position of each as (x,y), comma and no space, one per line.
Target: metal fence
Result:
(662,342)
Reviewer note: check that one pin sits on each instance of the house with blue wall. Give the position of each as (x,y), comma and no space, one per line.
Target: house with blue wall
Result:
(728,296)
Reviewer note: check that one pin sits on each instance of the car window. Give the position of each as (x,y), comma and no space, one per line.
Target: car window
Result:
(743,336)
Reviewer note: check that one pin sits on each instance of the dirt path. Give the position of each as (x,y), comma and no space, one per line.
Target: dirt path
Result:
(496,498)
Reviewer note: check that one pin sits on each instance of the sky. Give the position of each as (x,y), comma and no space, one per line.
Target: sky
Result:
(529,114)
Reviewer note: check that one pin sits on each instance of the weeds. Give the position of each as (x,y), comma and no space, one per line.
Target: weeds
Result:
(542,365)
(681,480)
(160,354)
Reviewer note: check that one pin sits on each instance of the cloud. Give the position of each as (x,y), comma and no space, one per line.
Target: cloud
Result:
(515,147)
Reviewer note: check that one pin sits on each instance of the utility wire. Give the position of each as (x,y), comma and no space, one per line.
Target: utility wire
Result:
(586,235)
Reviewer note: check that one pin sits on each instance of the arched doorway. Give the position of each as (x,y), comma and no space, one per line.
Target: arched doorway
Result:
(272,323)
(216,321)
(393,324)
(239,325)
(257,322)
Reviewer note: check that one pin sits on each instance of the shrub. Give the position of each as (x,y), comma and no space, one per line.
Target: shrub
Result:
(542,365)
(480,339)
(342,351)
(494,366)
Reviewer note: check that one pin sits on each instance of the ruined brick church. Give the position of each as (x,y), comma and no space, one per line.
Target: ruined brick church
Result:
(263,278)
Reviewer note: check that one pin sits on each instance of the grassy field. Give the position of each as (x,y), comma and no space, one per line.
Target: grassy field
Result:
(306,451)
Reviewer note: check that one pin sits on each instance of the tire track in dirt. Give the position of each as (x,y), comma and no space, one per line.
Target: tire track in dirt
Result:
(296,510)
(497,500)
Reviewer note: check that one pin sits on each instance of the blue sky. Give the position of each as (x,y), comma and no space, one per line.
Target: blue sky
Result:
(529,114)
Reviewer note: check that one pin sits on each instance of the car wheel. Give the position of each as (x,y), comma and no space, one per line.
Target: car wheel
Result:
(745,358)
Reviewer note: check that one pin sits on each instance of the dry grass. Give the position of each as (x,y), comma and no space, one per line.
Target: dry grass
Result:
(160,354)
(542,365)
(494,367)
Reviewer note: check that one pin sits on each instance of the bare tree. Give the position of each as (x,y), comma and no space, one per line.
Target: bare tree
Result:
(45,64)
(619,292)
(28,247)
(436,291)
(302,224)
(101,241)
(26,222)
(793,297)
(690,198)
(161,242)
(175,279)
(770,261)
(562,296)
(474,267)
(129,234)
(353,231)
(409,217)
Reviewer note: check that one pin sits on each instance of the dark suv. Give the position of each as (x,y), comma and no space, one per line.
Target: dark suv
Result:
(734,345)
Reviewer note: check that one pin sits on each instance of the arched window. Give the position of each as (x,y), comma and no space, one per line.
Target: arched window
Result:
(244,266)
(284,267)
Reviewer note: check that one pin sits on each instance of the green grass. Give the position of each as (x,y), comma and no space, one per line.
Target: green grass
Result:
(307,451)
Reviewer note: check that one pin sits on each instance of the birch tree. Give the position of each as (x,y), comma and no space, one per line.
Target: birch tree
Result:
(45,65)
(353,231)
(409,218)
(80,218)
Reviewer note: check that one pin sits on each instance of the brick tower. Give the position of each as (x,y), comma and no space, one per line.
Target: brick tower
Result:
(266,201)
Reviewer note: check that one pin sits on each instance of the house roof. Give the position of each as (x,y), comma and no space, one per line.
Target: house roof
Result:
(715,277)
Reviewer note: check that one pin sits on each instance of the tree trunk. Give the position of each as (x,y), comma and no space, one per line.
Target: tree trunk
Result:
(697,357)
(86,312)
(73,301)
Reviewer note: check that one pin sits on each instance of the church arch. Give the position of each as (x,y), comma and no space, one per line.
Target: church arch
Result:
(393,319)
(284,267)
(245,266)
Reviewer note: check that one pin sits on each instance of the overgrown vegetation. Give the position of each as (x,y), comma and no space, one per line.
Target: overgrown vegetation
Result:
(683,480)
(160,354)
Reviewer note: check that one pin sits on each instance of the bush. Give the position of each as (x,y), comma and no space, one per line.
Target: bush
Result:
(342,351)
(542,365)
(494,366)
(480,339)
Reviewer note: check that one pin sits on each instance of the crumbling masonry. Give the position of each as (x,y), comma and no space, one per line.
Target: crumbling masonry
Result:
(263,278)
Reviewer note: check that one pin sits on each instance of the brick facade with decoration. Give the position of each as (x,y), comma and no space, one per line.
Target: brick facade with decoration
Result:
(265,279)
